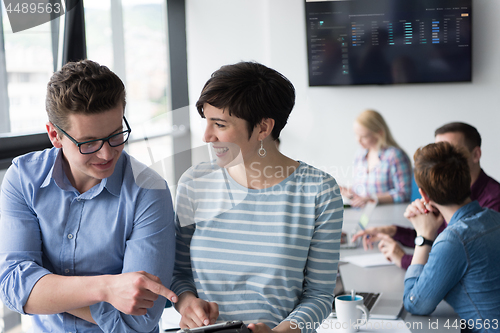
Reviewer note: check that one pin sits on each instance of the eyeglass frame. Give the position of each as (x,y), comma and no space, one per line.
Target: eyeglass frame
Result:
(104,140)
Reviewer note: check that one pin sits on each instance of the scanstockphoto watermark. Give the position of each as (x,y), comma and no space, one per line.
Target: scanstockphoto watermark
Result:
(26,14)
(382,325)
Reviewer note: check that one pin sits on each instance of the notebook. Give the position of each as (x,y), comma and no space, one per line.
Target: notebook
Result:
(381,305)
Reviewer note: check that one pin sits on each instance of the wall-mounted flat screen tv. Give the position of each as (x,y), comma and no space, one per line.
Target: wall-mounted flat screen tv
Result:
(357,42)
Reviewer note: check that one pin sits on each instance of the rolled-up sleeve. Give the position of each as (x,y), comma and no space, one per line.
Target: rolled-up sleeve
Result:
(185,227)
(150,248)
(322,262)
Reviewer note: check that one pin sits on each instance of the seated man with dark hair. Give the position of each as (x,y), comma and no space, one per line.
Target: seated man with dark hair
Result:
(460,265)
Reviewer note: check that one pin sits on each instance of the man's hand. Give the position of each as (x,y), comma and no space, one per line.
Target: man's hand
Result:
(196,312)
(390,249)
(371,235)
(134,293)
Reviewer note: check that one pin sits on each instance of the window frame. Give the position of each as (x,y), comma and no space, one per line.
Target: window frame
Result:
(14,145)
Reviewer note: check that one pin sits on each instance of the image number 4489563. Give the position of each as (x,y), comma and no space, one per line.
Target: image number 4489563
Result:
(32,7)
(26,14)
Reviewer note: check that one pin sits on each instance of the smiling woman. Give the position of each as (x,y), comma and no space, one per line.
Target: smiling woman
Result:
(246,232)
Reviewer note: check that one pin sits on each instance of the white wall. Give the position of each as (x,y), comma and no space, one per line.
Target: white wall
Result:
(319,130)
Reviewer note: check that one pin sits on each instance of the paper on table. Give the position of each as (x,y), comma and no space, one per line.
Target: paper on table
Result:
(368,260)
(170,319)
(331,325)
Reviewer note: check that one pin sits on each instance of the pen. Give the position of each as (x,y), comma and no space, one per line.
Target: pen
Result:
(363,228)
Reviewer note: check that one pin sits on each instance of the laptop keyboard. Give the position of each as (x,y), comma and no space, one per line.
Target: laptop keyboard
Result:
(369,299)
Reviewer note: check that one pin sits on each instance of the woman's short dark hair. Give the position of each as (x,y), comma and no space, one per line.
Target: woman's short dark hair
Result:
(82,87)
(250,91)
(442,171)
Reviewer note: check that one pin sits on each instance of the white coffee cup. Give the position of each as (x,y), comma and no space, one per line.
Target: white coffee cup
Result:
(349,312)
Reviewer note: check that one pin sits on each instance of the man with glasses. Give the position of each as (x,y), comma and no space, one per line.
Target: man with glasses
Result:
(86,232)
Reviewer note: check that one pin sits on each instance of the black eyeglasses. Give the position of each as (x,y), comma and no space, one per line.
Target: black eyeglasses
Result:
(92,146)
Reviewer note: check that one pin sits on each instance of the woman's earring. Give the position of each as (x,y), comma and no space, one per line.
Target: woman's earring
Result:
(262,151)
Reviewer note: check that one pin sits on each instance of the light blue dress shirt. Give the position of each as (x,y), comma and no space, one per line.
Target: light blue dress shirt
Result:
(123,224)
(463,269)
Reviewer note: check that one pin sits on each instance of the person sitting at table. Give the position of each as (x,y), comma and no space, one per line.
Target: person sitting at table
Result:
(484,189)
(382,170)
(258,233)
(460,265)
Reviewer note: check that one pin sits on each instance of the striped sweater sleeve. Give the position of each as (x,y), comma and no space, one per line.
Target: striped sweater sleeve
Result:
(182,280)
(322,262)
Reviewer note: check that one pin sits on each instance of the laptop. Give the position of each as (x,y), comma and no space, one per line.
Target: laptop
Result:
(380,304)
(345,241)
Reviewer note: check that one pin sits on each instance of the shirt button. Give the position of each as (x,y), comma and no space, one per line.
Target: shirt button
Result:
(412,298)
(78,199)
(66,271)
(70,236)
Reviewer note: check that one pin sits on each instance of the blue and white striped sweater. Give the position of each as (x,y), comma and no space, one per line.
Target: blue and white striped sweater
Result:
(262,255)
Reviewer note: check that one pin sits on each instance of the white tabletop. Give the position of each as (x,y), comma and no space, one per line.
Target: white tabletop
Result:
(382,215)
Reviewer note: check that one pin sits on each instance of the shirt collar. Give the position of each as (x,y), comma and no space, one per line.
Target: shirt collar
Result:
(56,173)
(380,151)
(469,209)
(112,184)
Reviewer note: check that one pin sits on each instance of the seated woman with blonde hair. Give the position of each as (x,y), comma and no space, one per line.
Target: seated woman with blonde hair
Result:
(382,170)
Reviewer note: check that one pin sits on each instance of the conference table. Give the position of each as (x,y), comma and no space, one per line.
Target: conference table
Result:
(386,278)
(389,278)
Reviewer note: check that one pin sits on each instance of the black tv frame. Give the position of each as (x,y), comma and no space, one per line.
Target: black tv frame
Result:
(377,52)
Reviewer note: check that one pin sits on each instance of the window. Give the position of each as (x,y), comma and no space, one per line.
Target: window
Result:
(131,38)
(29,65)
(128,36)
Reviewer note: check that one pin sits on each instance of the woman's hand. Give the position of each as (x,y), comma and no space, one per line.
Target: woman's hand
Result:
(346,192)
(260,328)
(359,201)
(419,207)
(196,312)
(283,327)
(427,225)
(426,218)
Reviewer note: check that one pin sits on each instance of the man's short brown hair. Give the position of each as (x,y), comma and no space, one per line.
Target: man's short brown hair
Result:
(82,87)
(442,171)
